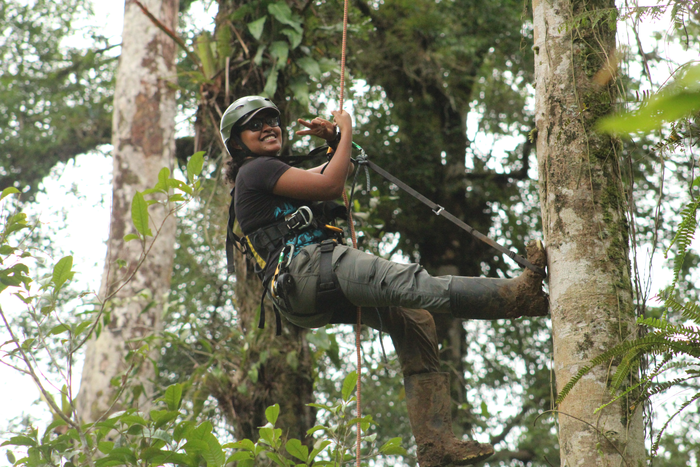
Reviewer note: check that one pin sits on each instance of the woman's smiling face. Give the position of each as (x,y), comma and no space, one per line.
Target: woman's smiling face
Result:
(266,141)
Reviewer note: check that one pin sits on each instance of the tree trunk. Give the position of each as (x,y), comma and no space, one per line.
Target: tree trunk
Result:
(585,227)
(275,369)
(143,137)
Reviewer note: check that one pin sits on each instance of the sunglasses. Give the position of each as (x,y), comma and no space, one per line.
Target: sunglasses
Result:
(258,123)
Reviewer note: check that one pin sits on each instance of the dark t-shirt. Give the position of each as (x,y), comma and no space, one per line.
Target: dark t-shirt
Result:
(256,206)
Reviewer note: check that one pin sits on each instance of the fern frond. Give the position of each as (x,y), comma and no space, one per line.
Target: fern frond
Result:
(661,387)
(631,351)
(683,238)
(690,310)
(655,445)
(657,389)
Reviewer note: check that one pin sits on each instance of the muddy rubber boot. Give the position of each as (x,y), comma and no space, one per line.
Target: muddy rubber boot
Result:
(428,401)
(490,298)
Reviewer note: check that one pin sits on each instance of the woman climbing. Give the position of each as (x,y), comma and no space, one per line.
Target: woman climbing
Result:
(313,279)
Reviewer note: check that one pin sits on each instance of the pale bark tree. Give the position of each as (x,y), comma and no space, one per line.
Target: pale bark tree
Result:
(144,142)
(583,213)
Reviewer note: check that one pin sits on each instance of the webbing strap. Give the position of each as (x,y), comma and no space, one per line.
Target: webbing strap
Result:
(440,211)
(328,291)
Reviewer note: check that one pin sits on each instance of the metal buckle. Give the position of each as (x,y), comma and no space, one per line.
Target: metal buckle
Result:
(294,222)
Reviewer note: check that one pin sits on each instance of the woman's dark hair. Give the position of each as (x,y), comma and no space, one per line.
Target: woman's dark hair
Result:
(237,156)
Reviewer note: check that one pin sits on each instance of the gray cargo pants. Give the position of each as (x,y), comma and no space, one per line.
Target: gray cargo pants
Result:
(394,298)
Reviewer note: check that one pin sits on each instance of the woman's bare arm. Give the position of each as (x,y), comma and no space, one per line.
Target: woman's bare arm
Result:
(314,185)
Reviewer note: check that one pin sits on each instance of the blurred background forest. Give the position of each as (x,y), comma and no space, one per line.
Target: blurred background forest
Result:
(442,97)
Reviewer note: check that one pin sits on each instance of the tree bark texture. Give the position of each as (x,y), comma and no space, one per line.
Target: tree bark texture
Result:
(585,227)
(144,142)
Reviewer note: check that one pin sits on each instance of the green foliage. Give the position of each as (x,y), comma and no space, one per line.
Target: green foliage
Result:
(66,439)
(55,101)
(677,100)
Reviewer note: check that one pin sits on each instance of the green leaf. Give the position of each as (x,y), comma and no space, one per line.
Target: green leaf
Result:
(27,344)
(239,456)
(393,447)
(300,89)
(310,66)
(182,430)
(280,50)
(162,417)
(195,165)
(284,15)
(293,37)
(7,250)
(130,237)
(256,27)
(10,455)
(259,55)
(319,446)
(328,65)
(173,396)
(253,375)
(266,434)
(349,385)
(313,430)
(105,446)
(214,455)
(62,271)
(272,412)
(298,450)
(61,328)
(20,441)
(139,215)
(243,444)
(130,419)
(174,183)
(195,446)
(150,452)
(277,459)
(205,55)
(163,177)
(484,409)
(8,191)
(240,13)
(674,102)
(271,84)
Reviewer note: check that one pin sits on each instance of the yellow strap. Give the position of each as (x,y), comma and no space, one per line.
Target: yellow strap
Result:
(258,258)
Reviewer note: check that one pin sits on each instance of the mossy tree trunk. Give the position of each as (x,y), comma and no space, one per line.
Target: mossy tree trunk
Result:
(585,227)
(272,369)
(143,135)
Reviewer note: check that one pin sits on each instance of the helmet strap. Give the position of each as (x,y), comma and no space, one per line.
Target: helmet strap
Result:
(237,138)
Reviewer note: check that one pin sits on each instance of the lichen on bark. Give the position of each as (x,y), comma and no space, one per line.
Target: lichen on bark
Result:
(586,232)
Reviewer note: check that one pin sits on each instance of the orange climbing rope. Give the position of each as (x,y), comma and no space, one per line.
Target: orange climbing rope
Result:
(358,328)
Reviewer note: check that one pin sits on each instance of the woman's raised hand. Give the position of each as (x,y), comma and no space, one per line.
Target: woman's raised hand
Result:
(317,127)
(343,120)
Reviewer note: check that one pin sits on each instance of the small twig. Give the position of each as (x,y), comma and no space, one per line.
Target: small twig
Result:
(37,381)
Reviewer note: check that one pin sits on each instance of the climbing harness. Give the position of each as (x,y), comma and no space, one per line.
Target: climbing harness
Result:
(277,241)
